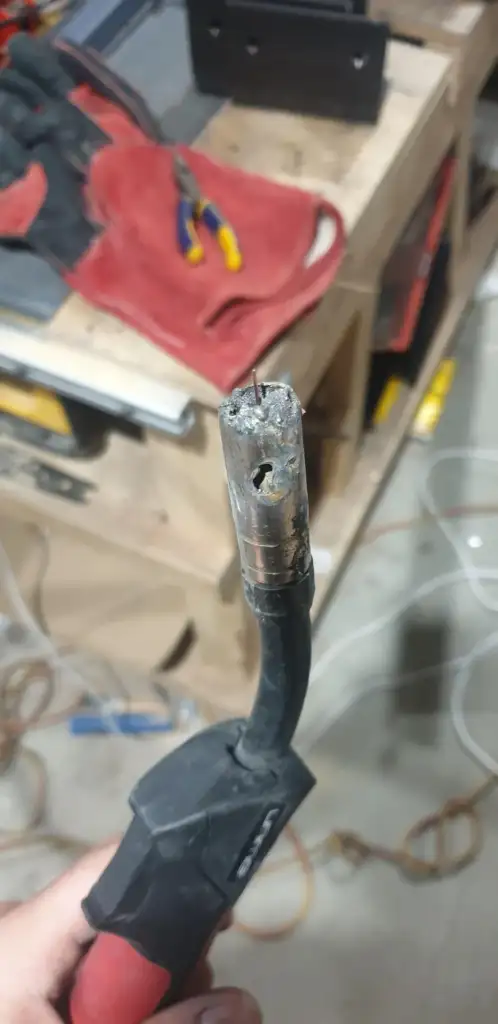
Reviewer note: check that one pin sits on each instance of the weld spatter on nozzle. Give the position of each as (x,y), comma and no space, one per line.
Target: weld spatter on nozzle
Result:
(261,431)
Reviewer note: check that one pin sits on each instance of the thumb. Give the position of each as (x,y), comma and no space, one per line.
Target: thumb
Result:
(222,1006)
(47,933)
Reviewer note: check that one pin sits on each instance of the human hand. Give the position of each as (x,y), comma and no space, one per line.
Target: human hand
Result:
(42,941)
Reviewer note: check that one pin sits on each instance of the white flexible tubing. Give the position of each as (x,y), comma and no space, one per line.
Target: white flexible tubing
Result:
(427,497)
(470,573)
(347,697)
(375,625)
(44,648)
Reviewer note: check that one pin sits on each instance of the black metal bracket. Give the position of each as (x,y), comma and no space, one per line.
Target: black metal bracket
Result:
(309,56)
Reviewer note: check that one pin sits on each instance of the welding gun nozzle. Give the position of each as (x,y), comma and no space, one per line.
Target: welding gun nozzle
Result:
(262,439)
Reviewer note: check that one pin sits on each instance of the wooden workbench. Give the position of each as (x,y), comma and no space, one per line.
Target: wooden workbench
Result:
(367,172)
(165,500)
(361,169)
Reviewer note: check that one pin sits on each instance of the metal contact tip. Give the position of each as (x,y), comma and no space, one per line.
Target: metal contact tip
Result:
(256,387)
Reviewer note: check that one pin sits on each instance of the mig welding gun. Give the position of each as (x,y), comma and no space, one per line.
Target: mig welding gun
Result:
(207,815)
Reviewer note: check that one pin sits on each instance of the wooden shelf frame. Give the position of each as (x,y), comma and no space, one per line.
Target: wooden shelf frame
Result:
(166,502)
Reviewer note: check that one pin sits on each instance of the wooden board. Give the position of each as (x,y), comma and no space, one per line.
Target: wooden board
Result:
(133,507)
(367,171)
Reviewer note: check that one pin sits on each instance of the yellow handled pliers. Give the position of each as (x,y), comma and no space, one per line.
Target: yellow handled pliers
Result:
(192,207)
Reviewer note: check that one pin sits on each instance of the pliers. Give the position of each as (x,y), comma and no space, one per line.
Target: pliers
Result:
(192,207)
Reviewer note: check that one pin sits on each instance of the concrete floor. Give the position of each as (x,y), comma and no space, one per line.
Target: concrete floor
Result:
(375,947)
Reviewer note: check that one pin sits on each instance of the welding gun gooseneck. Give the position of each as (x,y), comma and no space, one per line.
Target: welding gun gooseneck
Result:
(206,816)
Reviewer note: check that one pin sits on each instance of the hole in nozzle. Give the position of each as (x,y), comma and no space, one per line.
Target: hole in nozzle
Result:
(261,473)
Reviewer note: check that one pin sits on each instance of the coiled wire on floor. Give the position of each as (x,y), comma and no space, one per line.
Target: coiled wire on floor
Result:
(22,685)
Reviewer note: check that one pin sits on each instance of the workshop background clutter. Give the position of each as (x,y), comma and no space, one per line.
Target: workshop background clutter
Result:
(198,200)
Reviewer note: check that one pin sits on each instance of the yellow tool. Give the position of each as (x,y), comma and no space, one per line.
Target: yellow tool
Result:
(43,418)
(33,404)
(432,405)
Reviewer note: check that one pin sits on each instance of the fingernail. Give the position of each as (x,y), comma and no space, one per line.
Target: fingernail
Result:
(216,1015)
(240,1010)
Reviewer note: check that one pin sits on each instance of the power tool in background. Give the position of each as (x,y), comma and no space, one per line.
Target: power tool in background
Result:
(206,816)
(47,420)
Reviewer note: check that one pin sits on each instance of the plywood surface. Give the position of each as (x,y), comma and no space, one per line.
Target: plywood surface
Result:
(343,163)
(131,508)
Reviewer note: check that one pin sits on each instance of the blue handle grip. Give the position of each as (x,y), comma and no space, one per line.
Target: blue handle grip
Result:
(211,218)
(129,723)
(188,240)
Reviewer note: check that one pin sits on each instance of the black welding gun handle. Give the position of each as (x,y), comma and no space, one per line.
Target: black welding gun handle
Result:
(155,919)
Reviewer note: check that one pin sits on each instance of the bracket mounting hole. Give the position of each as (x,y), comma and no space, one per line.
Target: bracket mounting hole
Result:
(252,47)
